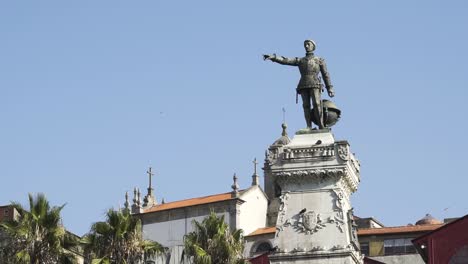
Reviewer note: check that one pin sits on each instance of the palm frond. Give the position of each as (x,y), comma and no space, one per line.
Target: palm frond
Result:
(212,242)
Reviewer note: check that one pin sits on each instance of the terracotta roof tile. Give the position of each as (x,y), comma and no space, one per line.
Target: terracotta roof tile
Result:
(366,231)
(263,231)
(397,229)
(190,202)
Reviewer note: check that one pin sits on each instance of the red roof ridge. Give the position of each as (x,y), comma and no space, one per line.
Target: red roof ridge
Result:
(398,229)
(191,202)
(263,230)
(443,226)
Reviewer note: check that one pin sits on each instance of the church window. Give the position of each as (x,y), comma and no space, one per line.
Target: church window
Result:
(263,247)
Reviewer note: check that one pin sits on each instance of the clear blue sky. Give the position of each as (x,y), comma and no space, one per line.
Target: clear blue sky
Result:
(94,92)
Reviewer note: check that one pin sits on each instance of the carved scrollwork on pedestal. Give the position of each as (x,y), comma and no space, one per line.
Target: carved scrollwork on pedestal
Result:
(353,229)
(343,152)
(283,206)
(318,248)
(348,183)
(338,219)
(307,222)
(339,196)
(309,153)
(338,247)
(318,175)
(282,212)
(356,165)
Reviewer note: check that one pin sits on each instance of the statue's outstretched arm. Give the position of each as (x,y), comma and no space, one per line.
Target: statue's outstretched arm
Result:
(326,77)
(282,60)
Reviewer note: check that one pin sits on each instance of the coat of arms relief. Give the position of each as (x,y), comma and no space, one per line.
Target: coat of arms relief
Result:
(311,221)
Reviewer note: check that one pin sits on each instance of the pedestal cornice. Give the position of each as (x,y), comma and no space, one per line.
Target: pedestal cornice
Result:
(318,175)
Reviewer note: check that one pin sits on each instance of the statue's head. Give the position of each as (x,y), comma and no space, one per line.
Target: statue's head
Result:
(309,45)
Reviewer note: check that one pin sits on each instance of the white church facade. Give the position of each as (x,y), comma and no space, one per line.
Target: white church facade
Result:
(168,223)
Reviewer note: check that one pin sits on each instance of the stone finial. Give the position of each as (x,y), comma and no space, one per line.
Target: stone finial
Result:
(136,206)
(235,186)
(134,195)
(284,139)
(255,178)
(126,204)
(285,132)
(138,197)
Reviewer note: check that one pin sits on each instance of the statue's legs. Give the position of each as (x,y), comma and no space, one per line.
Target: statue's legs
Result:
(305,94)
(318,109)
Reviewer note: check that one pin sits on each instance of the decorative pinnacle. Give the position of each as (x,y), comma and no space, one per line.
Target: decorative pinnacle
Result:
(150,174)
(127,204)
(136,206)
(255,165)
(284,126)
(138,197)
(255,176)
(235,186)
(135,195)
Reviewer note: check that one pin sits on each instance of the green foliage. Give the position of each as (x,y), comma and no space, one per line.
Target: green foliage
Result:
(118,240)
(212,242)
(37,236)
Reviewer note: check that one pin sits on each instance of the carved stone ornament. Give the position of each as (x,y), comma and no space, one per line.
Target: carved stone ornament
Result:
(353,229)
(343,152)
(309,153)
(338,219)
(338,247)
(283,203)
(318,175)
(309,220)
(356,165)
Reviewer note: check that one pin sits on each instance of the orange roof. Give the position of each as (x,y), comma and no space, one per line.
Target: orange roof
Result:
(397,229)
(263,230)
(190,202)
(366,231)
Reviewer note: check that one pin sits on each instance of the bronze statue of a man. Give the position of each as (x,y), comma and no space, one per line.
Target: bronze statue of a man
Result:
(310,85)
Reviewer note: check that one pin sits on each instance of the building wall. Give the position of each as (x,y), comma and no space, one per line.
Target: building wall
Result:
(8,213)
(170,227)
(448,244)
(253,211)
(376,244)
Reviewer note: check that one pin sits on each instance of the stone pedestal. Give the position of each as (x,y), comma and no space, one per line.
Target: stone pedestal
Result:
(309,181)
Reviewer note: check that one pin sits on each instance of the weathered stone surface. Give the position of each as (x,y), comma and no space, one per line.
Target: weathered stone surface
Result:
(311,181)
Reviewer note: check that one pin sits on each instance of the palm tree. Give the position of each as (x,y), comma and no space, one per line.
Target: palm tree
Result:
(212,242)
(37,236)
(118,240)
